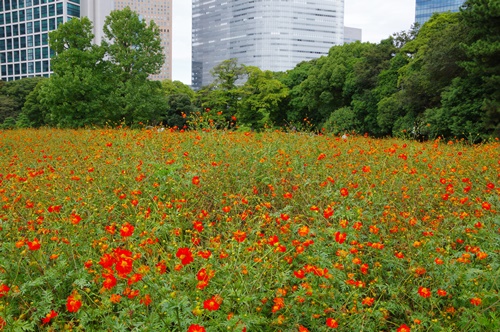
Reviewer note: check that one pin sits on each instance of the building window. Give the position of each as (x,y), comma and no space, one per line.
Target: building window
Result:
(73,10)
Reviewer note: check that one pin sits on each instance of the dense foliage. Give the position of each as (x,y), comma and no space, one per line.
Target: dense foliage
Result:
(121,230)
(440,79)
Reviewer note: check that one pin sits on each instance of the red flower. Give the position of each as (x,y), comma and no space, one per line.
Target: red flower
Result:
(403,328)
(486,206)
(4,289)
(475,301)
(424,292)
(196,328)
(34,245)
(185,255)
(133,279)
(344,192)
(299,274)
(196,180)
(75,219)
(124,265)
(330,322)
(328,212)
(107,261)
(73,303)
(49,316)
(161,267)
(340,237)
(54,208)
(109,280)
(441,292)
(303,329)
(212,303)
(126,230)
(146,300)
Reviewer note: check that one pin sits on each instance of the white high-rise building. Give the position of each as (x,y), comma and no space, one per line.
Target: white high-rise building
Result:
(270,34)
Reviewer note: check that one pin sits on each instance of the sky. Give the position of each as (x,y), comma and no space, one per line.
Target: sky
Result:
(378,20)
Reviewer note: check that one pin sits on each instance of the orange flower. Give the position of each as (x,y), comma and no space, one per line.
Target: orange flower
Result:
(185,255)
(239,236)
(126,230)
(442,292)
(424,292)
(115,298)
(212,303)
(73,302)
(303,329)
(196,180)
(279,304)
(344,192)
(196,328)
(303,231)
(475,301)
(368,301)
(330,322)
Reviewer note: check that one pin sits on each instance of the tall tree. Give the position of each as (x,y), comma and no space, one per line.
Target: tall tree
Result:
(132,45)
(482,18)
(221,96)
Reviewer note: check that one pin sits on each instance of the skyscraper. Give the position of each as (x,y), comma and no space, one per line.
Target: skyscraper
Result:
(425,8)
(272,34)
(160,11)
(24,28)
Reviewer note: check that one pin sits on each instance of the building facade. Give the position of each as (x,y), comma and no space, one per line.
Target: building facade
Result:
(25,25)
(352,35)
(425,8)
(160,11)
(270,34)
(24,28)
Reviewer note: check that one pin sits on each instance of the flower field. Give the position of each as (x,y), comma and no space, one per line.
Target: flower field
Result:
(123,230)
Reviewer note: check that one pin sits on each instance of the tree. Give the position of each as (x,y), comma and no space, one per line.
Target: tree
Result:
(76,95)
(34,113)
(221,96)
(132,46)
(261,95)
(180,98)
(482,18)
(106,84)
(13,95)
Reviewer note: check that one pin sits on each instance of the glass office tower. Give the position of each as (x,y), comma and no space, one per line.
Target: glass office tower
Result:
(425,8)
(24,28)
(270,34)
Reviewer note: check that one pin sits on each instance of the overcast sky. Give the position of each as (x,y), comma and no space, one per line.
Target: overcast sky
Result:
(377,18)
